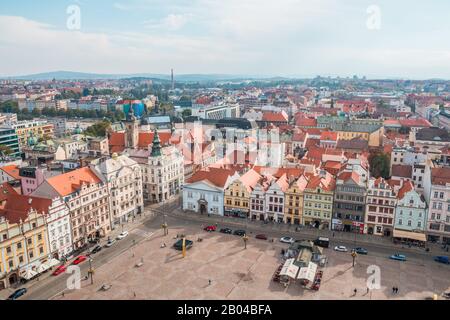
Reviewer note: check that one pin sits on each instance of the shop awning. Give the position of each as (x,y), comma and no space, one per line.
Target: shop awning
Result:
(43,267)
(28,274)
(54,262)
(410,235)
(289,269)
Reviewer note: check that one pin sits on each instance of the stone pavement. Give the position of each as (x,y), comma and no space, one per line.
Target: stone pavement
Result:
(238,273)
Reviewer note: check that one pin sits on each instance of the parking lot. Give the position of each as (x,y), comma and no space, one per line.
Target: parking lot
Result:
(220,268)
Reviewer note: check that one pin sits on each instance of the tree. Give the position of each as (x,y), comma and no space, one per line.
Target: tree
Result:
(98,129)
(186,113)
(379,165)
(5,150)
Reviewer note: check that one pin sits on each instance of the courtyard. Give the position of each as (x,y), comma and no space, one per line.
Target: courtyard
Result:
(219,267)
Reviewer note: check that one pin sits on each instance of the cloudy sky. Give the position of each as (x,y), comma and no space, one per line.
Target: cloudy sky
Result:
(376,38)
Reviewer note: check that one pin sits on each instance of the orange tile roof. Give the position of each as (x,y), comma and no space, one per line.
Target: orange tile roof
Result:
(407,186)
(70,182)
(419,122)
(12,170)
(329,135)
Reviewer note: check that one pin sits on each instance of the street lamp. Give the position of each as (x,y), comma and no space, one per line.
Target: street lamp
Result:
(354,254)
(91,271)
(245,238)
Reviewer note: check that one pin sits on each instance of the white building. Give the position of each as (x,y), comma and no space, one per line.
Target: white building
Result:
(59,228)
(123,177)
(204,191)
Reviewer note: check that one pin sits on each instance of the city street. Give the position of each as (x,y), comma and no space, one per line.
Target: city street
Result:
(235,272)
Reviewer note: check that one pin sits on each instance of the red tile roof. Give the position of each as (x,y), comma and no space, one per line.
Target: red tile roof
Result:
(305,122)
(117,140)
(440,176)
(216,176)
(274,116)
(18,206)
(402,170)
(419,122)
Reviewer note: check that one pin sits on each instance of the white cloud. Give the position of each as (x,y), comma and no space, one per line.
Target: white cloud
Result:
(283,37)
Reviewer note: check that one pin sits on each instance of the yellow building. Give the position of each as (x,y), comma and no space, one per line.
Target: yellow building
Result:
(372,133)
(293,200)
(23,244)
(318,200)
(32,128)
(237,195)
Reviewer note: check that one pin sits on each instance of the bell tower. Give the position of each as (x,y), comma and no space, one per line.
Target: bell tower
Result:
(131,129)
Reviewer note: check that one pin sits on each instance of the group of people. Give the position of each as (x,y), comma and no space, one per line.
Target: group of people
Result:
(394,290)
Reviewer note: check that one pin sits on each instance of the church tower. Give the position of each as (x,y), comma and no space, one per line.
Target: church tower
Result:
(156,145)
(131,129)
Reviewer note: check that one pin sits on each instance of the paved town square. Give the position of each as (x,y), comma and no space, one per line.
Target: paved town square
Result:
(238,273)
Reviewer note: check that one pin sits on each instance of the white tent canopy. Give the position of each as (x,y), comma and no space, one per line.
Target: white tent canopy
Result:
(289,269)
(28,274)
(308,272)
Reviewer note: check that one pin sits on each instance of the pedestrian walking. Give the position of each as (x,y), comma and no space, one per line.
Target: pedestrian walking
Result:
(63,294)
(333,234)
(355,291)
(396,290)
(367,290)
(209,282)
(134,293)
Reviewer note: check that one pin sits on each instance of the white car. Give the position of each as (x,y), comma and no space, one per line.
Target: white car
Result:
(340,248)
(110,243)
(122,235)
(287,240)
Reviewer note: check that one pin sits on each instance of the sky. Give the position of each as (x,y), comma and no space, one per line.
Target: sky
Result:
(297,38)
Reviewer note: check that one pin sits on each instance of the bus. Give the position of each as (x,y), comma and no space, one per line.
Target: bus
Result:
(322,242)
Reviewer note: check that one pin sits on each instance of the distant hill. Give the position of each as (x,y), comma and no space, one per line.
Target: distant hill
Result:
(69,75)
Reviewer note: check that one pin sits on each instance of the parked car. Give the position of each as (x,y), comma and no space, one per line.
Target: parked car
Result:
(398,257)
(17,294)
(240,233)
(79,260)
(59,270)
(442,259)
(226,230)
(287,240)
(341,248)
(96,249)
(110,243)
(122,235)
(210,228)
(360,250)
(179,244)
(261,236)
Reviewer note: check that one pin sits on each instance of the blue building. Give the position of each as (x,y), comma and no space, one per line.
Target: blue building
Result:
(410,213)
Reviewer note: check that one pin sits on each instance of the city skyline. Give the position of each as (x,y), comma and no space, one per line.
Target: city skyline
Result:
(295,39)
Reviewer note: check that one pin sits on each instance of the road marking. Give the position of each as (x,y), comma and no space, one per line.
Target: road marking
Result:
(142,233)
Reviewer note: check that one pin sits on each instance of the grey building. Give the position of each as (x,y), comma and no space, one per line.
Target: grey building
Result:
(349,202)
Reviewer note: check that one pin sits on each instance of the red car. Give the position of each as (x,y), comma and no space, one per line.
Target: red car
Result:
(79,260)
(210,228)
(59,270)
(261,236)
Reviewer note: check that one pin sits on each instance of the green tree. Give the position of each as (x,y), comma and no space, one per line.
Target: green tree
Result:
(186,113)
(98,129)
(379,165)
